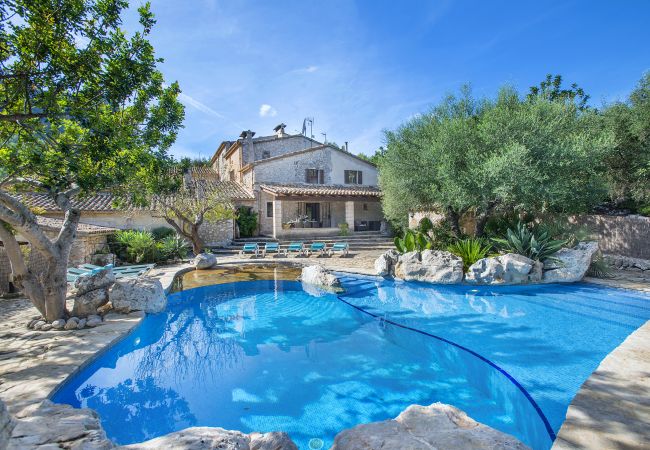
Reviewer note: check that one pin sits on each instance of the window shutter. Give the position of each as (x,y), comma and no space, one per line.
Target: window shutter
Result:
(346,176)
(321,176)
(306,175)
(360,180)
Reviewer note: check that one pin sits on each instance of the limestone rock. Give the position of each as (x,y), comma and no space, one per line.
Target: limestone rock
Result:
(318,276)
(93,321)
(626,262)
(90,282)
(437,426)
(82,324)
(505,269)
(138,294)
(72,323)
(86,304)
(385,264)
(196,438)
(7,425)
(573,263)
(271,441)
(432,266)
(58,324)
(60,426)
(38,324)
(204,261)
(46,327)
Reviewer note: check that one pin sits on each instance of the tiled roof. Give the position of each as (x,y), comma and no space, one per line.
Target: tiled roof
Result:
(83,228)
(104,202)
(328,190)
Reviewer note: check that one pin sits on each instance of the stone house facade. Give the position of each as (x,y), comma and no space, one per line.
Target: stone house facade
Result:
(301,186)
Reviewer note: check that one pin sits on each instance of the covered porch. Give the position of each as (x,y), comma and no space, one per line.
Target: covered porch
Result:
(302,211)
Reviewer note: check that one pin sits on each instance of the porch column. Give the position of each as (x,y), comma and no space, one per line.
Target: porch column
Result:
(277,217)
(349,215)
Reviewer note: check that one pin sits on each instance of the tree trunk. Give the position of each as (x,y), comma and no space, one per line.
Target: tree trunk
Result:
(197,242)
(453,219)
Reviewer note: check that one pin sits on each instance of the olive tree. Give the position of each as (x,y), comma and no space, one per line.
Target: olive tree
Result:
(488,156)
(83,108)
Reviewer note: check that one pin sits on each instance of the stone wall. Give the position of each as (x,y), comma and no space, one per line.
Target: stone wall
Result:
(217,234)
(5,271)
(620,235)
(292,168)
(138,220)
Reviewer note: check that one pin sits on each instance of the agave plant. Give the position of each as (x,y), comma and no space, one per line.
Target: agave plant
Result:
(470,250)
(140,245)
(412,241)
(537,245)
(172,247)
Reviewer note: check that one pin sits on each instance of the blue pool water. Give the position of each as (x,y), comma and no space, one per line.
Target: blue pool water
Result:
(270,355)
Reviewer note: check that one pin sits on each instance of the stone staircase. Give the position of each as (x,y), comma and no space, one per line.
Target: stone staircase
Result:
(358,241)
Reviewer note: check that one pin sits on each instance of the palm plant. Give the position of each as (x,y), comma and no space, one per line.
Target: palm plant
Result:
(533,244)
(412,241)
(140,245)
(172,247)
(470,250)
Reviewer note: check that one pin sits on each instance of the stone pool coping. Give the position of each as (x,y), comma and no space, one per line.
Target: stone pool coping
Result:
(611,407)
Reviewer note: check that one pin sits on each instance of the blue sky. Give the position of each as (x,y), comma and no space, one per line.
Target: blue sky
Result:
(359,67)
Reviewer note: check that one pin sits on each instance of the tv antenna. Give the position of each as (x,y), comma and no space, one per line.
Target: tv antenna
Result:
(325,138)
(310,121)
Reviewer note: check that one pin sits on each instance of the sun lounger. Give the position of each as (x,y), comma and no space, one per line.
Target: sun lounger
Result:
(295,247)
(271,247)
(120,272)
(340,247)
(317,247)
(253,248)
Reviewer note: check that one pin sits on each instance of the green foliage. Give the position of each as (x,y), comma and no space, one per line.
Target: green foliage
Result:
(246,221)
(492,156)
(159,233)
(375,157)
(599,268)
(344,229)
(172,247)
(425,225)
(628,164)
(139,246)
(412,241)
(441,236)
(551,89)
(559,228)
(644,210)
(83,102)
(533,244)
(470,250)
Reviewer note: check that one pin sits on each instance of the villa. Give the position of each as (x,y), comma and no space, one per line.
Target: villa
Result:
(300,184)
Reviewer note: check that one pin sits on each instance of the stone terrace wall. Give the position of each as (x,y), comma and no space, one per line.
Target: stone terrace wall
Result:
(5,272)
(620,235)
(217,234)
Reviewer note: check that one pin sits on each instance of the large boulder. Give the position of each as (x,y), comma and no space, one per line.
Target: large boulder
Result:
(438,426)
(505,269)
(385,264)
(319,276)
(204,261)
(102,279)
(6,426)
(54,426)
(138,294)
(431,266)
(571,264)
(208,438)
(86,304)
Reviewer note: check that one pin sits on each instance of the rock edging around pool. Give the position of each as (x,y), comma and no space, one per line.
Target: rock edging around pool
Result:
(441,267)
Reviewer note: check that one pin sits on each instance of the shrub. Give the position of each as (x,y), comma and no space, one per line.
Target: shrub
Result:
(160,233)
(246,221)
(172,247)
(412,241)
(599,268)
(138,246)
(470,250)
(560,228)
(531,243)
(441,236)
(344,229)
(644,210)
(425,225)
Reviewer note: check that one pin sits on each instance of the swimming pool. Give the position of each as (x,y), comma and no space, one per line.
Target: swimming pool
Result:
(268,355)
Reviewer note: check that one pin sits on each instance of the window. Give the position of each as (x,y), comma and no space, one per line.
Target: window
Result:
(353,177)
(269,209)
(266,154)
(365,207)
(315,176)
(232,175)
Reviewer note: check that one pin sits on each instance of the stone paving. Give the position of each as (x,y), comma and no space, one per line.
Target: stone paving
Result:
(33,364)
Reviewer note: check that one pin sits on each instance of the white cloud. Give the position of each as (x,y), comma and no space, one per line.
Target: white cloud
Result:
(311,69)
(194,103)
(267,111)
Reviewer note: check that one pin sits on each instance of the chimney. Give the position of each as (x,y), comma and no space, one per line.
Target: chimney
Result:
(247,146)
(279,130)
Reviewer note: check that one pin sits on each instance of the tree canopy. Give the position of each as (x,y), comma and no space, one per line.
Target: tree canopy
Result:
(492,155)
(83,108)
